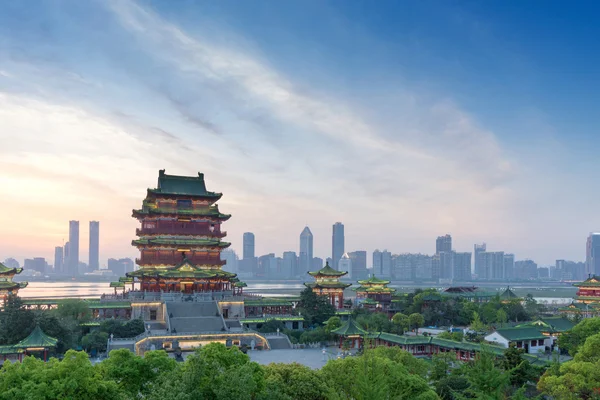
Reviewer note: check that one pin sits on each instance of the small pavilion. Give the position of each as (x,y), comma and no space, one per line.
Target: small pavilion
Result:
(327,283)
(351,331)
(36,342)
(7,285)
(376,290)
(508,295)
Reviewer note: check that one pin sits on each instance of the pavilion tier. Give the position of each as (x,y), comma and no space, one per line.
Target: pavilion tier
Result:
(7,285)
(327,283)
(180,237)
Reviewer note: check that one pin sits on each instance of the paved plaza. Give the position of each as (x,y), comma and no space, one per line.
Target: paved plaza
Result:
(312,358)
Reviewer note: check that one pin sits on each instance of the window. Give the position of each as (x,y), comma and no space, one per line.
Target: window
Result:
(152,315)
(519,344)
(184,204)
(541,342)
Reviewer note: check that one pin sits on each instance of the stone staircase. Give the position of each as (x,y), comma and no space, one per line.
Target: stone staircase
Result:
(279,342)
(195,317)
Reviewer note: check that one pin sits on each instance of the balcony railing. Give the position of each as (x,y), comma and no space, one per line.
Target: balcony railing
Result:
(176,260)
(174,230)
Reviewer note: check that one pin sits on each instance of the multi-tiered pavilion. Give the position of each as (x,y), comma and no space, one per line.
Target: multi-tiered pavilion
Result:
(327,283)
(7,285)
(180,238)
(375,290)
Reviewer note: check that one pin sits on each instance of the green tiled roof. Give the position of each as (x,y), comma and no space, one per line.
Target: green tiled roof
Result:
(182,185)
(117,284)
(267,302)
(587,298)
(446,343)
(37,338)
(125,279)
(95,304)
(369,301)
(508,294)
(374,289)
(556,324)
(593,281)
(9,285)
(513,334)
(327,285)
(5,350)
(373,281)
(212,211)
(349,328)
(263,320)
(240,284)
(5,270)
(179,242)
(327,271)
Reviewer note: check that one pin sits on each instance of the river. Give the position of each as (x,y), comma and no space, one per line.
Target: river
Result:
(96,289)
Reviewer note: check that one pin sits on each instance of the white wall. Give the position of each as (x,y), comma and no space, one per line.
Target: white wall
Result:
(496,338)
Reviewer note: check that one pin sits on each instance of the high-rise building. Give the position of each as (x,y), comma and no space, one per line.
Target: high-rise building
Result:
(73,266)
(569,271)
(290,264)
(382,263)
(592,259)
(478,260)
(58,259)
(316,264)
(65,268)
(462,267)
(359,264)
(248,246)
(337,243)
(509,266)
(493,265)
(345,265)
(446,268)
(306,250)
(94,249)
(231,260)
(443,243)
(12,263)
(36,264)
(526,270)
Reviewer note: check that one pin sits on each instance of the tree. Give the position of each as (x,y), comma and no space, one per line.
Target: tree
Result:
(501,317)
(573,339)
(485,380)
(315,309)
(440,365)
(332,324)
(451,387)
(75,309)
(297,381)
(476,324)
(272,325)
(15,322)
(400,321)
(95,341)
(520,370)
(416,320)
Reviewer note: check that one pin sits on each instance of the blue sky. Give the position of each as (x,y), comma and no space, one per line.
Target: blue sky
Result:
(404,120)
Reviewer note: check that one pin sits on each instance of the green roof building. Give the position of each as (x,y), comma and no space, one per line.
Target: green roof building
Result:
(374,290)
(7,285)
(327,283)
(180,239)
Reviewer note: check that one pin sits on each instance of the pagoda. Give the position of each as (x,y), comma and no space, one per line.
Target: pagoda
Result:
(376,290)
(7,286)
(588,291)
(180,238)
(327,283)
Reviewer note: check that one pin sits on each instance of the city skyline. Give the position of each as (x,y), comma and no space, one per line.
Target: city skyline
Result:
(461,128)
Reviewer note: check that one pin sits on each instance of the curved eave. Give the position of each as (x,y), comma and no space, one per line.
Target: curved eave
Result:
(213,196)
(179,243)
(328,286)
(317,274)
(181,213)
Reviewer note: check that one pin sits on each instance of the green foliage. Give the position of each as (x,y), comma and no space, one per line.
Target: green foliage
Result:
(15,323)
(456,336)
(75,309)
(400,322)
(571,341)
(316,335)
(440,365)
(476,324)
(296,381)
(451,387)
(271,326)
(72,378)
(416,321)
(122,329)
(375,322)
(486,381)
(95,341)
(315,309)
(332,324)
(501,317)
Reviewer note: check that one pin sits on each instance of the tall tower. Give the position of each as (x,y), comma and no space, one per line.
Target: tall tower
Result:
(592,255)
(337,244)
(58,259)
(443,243)
(306,250)
(94,257)
(248,246)
(73,266)
(478,261)
(179,238)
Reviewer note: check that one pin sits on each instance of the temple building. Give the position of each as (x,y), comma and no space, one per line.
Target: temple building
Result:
(327,283)
(589,291)
(7,286)
(179,239)
(374,290)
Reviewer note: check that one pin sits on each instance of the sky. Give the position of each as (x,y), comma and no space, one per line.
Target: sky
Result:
(405,120)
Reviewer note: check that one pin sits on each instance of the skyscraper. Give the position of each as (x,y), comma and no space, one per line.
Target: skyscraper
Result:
(477,250)
(306,250)
(462,267)
(248,246)
(337,244)
(592,254)
(94,257)
(509,266)
(231,260)
(359,264)
(65,265)
(382,263)
(58,259)
(345,265)
(290,264)
(73,266)
(443,243)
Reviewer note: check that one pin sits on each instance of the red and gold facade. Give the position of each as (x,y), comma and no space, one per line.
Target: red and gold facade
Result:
(327,283)
(179,238)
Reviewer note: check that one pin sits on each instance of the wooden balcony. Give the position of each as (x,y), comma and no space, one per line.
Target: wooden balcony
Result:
(180,230)
(176,260)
